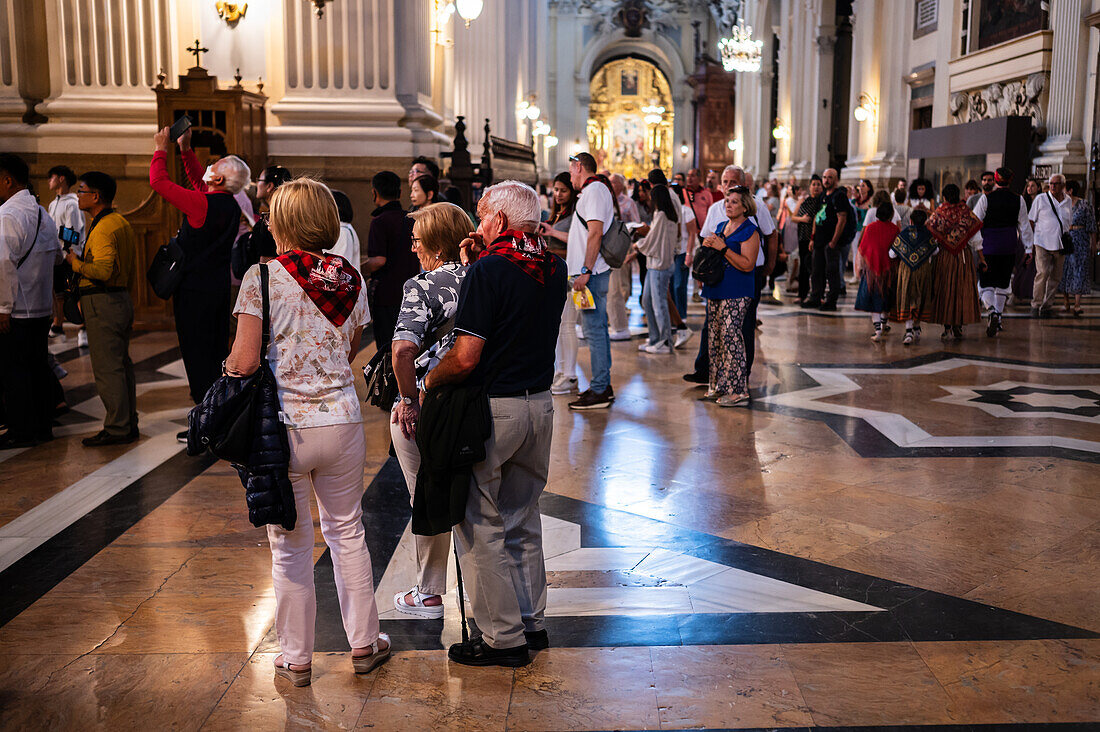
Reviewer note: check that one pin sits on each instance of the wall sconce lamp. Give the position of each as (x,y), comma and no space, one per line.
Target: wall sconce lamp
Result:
(230,12)
(319,7)
(867,109)
(780,131)
(735,144)
(684,149)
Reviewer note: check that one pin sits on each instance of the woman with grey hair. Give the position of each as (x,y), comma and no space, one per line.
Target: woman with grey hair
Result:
(211,218)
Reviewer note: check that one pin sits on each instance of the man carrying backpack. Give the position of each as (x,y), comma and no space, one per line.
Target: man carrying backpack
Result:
(831,225)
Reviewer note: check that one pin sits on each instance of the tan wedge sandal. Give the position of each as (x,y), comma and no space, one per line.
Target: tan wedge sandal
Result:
(366,664)
(298,678)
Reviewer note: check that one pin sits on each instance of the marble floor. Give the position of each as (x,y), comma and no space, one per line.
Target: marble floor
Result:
(885,537)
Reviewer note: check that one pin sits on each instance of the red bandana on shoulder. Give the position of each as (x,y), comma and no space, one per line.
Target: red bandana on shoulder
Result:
(524,250)
(330,281)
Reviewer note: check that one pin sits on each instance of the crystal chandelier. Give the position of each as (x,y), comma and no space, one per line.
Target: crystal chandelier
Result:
(740,52)
(654,115)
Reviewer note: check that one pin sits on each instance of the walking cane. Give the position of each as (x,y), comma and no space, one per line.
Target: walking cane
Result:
(461,602)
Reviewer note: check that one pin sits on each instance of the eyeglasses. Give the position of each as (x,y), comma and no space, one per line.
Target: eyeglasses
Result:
(83,191)
(416,241)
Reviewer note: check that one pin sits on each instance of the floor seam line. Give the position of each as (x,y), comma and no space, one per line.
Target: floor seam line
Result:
(229,686)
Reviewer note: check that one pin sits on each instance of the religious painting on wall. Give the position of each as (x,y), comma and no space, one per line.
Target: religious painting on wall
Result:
(629,83)
(1003,20)
(628,142)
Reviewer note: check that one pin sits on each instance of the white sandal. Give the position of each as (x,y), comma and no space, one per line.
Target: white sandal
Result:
(417,607)
(298,678)
(366,664)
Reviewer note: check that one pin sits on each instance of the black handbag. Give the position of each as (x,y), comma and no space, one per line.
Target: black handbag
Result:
(166,271)
(1067,238)
(708,266)
(225,420)
(382,388)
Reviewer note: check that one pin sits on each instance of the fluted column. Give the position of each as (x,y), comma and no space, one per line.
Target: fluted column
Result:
(1064,149)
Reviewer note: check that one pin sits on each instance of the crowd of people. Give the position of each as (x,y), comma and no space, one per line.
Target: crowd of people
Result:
(492,300)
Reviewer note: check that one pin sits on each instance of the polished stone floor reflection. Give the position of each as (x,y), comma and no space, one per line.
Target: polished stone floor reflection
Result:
(885,536)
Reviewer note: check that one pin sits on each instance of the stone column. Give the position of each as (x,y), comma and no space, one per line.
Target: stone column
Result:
(1064,149)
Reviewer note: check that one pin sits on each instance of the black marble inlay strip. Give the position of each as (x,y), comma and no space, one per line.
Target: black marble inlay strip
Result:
(145,372)
(42,569)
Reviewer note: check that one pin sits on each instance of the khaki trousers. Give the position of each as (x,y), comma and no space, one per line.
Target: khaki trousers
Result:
(109,319)
(327,461)
(431,551)
(1048,275)
(500,542)
(618,292)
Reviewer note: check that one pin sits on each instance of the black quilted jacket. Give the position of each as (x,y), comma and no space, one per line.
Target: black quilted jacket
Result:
(266,478)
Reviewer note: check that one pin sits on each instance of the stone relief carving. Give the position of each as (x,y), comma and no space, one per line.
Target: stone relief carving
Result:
(608,14)
(1020,97)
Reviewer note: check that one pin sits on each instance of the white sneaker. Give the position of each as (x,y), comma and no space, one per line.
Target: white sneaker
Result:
(682,336)
(580,332)
(643,345)
(82,338)
(659,348)
(620,335)
(417,608)
(564,385)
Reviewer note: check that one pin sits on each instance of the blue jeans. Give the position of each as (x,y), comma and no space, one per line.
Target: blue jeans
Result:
(655,302)
(680,276)
(594,325)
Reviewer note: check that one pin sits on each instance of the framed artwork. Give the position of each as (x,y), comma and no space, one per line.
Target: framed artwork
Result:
(629,83)
(1004,20)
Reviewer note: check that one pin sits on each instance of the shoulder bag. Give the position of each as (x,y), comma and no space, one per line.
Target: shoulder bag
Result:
(381,380)
(615,244)
(709,264)
(1067,238)
(166,271)
(225,420)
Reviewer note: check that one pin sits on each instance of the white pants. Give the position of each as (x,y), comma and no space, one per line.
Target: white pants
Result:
(329,461)
(618,292)
(565,361)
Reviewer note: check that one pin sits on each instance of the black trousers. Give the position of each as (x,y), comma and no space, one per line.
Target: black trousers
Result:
(29,386)
(805,267)
(826,269)
(384,323)
(202,325)
(748,333)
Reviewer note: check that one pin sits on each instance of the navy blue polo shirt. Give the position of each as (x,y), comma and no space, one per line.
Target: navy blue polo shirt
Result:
(517,318)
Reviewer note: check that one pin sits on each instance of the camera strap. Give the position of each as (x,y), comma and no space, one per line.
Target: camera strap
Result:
(34,241)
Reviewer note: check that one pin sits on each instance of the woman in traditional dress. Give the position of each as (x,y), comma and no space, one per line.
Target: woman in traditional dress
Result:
(1075,270)
(861,202)
(956,230)
(875,280)
(914,248)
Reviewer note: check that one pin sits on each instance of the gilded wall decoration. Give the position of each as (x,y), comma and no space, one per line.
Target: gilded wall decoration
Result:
(630,117)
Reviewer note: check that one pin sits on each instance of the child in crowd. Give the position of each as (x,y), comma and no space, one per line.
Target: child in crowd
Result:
(875,282)
(914,248)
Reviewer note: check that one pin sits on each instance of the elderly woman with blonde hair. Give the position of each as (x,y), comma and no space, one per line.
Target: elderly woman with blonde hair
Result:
(318,307)
(423,335)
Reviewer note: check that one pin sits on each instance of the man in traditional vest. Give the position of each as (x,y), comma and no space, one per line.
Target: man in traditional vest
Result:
(1005,226)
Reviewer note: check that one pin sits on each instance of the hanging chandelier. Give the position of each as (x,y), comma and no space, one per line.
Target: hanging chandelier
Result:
(740,52)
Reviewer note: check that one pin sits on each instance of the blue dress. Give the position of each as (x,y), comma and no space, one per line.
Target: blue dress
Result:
(1075,270)
(735,283)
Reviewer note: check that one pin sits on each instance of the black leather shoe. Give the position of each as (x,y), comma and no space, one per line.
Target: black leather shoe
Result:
(694,378)
(810,304)
(479,653)
(181,437)
(537,640)
(827,307)
(103,437)
(8,441)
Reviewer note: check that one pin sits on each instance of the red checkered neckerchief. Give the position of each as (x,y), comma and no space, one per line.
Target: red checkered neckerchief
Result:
(526,251)
(330,281)
(600,179)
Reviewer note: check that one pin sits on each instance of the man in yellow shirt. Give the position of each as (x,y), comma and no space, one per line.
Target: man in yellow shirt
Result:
(106,272)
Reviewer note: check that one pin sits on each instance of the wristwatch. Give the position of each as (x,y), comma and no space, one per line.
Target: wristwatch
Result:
(585,271)
(407,401)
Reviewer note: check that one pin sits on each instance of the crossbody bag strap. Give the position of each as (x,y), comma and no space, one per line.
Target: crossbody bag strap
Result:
(266,299)
(34,241)
(1053,210)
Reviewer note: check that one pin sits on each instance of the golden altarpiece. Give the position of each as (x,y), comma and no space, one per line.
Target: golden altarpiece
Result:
(630,118)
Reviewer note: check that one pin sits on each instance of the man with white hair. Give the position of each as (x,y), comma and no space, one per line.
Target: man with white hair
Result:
(1050,216)
(211,219)
(734,176)
(509,312)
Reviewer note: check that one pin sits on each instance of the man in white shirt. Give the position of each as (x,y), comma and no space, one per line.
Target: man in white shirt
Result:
(594,213)
(64,211)
(733,177)
(1050,217)
(621,283)
(29,249)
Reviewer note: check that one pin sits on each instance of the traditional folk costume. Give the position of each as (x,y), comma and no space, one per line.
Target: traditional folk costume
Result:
(956,229)
(876,275)
(1005,229)
(914,249)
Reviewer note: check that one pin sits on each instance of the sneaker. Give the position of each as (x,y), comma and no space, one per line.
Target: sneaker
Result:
(591,400)
(731,400)
(56,331)
(642,346)
(82,338)
(416,608)
(694,378)
(580,333)
(476,652)
(659,348)
(683,335)
(827,307)
(878,334)
(621,335)
(909,337)
(103,438)
(994,324)
(564,385)
(537,640)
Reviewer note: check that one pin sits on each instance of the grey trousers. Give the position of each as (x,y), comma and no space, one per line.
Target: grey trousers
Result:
(500,542)
(109,319)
